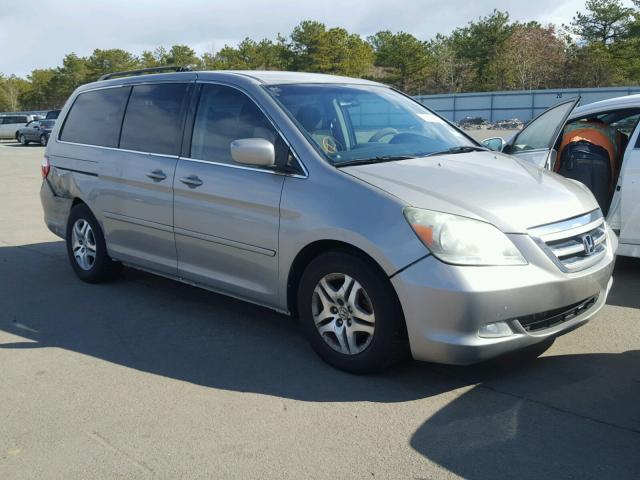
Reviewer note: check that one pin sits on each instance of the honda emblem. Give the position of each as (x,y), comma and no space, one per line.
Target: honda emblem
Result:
(589,244)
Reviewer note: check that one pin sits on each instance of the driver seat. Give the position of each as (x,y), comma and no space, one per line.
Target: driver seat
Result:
(312,121)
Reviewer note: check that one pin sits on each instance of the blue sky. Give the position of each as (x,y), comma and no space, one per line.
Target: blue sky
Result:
(37,34)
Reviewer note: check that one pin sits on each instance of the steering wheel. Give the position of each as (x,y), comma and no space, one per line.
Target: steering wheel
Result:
(380,134)
(331,144)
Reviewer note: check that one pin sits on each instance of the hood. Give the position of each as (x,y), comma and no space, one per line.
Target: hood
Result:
(511,194)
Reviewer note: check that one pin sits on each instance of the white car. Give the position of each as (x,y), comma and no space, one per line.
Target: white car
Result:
(538,143)
(11,123)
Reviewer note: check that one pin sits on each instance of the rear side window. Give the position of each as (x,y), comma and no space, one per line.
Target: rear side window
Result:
(13,120)
(539,134)
(154,119)
(95,117)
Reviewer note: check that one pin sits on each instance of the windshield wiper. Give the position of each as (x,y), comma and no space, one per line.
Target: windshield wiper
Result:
(460,149)
(378,159)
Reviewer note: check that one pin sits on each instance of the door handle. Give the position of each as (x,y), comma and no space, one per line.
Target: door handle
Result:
(156,175)
(192,181)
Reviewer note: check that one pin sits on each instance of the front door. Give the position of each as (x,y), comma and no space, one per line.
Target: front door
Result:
(31,131)
(629,193)
(536,142)
(227,215)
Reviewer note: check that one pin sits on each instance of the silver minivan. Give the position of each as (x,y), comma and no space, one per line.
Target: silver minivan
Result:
(386,230)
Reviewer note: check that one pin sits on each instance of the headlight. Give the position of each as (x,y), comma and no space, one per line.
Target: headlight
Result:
(461,240)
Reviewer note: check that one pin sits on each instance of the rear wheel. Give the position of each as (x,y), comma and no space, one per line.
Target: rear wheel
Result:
(350,314)
(43,140)
(86,247)
(23,140)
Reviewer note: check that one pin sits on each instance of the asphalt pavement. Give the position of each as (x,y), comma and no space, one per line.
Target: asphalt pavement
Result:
(148,378)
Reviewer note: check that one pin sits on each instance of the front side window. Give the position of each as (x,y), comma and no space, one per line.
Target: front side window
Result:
(541,132)
(225,114)
(154,119)
(95,117)
(360,122)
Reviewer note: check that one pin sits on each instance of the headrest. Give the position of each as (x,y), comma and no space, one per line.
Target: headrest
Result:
(309,117)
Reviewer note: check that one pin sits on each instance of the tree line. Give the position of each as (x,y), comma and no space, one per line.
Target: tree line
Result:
(599,47)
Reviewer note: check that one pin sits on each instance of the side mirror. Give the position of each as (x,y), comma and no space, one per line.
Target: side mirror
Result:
(253,151)
(496,144)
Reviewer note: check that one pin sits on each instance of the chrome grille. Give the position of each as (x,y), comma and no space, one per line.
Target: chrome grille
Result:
(573,244)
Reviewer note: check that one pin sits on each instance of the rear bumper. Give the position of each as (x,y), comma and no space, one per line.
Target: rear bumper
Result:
(56,209)
(446,305)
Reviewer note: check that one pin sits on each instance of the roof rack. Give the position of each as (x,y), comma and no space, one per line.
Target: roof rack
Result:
(171,68)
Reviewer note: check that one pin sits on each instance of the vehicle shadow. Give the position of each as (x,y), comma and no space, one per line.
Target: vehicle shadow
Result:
(569,416)
(167,328)
(171,329)
(32,143)
(551,418)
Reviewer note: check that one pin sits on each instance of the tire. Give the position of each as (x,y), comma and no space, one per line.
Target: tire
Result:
(43,140)
(86,247)
(23,140)
(370,297)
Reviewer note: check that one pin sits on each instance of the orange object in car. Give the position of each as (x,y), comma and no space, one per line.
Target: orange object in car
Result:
(596,132)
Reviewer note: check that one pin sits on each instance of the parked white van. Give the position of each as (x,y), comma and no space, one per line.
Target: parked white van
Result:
(539,141)
(10,124)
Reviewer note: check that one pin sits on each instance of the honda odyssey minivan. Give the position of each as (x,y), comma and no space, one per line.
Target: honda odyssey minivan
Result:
(382,227)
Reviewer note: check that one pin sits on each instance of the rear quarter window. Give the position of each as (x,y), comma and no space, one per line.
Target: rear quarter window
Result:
(155,118)
(95,117)
(12,120)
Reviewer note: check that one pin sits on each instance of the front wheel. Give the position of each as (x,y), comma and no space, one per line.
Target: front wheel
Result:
(86,247)
(350,314)
(23,140)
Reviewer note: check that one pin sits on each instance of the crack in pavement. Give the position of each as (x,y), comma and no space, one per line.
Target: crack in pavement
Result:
(107,444)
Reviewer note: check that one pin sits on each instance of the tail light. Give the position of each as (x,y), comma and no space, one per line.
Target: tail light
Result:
(45,166)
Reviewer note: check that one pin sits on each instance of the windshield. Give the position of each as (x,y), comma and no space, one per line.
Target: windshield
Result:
(359,122)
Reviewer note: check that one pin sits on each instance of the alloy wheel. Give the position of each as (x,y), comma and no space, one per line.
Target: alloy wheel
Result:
(83,244)
(343,313)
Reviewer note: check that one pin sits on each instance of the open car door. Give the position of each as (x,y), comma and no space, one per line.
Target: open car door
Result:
(536,142)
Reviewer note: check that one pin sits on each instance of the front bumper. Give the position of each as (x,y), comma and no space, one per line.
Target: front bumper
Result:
(446,305)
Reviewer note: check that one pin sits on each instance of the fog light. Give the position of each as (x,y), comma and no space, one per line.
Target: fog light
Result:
(495,330)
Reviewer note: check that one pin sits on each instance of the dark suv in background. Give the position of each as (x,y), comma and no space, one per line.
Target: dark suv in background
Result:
(52,114)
